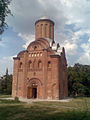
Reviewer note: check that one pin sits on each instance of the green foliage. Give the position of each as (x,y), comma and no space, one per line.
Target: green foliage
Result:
(4,11)
(79,80)
(6,84)
(16,99)
(5,96)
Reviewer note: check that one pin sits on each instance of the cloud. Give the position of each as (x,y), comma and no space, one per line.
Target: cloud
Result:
(71,22)
(26,13)
(28,39)
(6,62)
(86,47)
(78,12)
(70,47)
(1,44)
(85,57)
(61,11)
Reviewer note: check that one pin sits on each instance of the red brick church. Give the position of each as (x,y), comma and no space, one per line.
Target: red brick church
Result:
(41,70)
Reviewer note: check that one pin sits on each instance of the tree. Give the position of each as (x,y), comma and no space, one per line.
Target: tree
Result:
(4,11)
(9,84)
(6,84)
(79,80)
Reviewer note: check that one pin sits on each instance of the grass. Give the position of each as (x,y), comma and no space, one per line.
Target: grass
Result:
(76,109)
(5,96)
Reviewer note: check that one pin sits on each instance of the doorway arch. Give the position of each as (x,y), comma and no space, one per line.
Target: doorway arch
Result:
(33,88)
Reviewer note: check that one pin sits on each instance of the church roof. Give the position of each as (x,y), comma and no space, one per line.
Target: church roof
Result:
(21,53)
(44,19)
(41,41)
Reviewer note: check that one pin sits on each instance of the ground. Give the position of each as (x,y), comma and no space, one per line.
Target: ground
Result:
(75,109)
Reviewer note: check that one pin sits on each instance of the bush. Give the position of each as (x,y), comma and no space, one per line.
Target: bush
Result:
(16,99)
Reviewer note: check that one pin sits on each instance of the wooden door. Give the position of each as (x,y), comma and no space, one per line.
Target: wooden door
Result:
(29,93)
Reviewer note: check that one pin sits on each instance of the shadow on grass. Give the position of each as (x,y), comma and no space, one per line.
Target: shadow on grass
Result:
(2,101)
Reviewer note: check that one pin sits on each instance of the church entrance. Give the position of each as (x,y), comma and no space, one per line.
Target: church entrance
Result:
(32,92)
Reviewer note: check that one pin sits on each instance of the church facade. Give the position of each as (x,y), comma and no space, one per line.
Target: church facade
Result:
(41,70)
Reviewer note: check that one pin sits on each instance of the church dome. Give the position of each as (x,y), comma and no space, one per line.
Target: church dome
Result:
(44,17)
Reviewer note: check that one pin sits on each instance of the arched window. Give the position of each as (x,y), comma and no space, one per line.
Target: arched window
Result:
(29,55)
(35,47)
(30,65)
(37,54)
(45,30)
(32,55)
(39,64)
(41,29)
(40,54)
(20,65)
(49,64)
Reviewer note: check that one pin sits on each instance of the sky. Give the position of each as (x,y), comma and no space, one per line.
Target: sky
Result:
(72,29)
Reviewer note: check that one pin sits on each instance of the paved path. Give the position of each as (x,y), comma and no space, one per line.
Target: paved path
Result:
(38,100)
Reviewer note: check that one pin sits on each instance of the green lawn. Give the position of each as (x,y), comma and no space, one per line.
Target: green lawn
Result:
(5,96)
(76,109)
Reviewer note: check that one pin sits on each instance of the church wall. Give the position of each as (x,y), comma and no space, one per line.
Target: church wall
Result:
(49,78)
(15,78)
(61,78)
(64,75)
(20,77)
(55,77)
(45,60)
(24,80)
(37,73)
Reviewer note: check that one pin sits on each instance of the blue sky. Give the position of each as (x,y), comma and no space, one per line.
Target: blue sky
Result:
(72,29)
